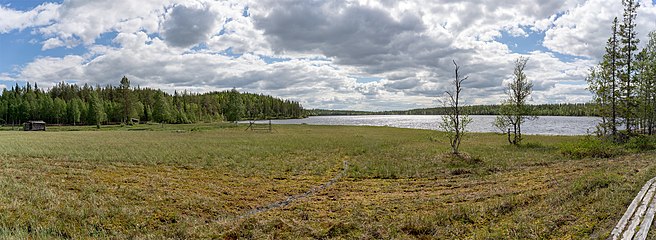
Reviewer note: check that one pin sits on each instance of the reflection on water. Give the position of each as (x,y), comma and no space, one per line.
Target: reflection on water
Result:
(547,125)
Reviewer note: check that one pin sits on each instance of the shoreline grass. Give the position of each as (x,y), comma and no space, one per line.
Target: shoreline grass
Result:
(190,181)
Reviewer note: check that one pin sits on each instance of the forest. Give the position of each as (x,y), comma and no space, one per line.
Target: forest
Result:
(623,82)
(71,104)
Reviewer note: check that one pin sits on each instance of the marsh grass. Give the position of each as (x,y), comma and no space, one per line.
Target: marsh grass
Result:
(194,181)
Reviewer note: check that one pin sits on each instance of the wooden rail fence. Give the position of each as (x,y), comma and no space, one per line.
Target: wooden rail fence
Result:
(253,126)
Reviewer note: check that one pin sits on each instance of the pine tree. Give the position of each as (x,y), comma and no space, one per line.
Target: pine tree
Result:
(629,44)
(126,99)
(603,81)
(646,78)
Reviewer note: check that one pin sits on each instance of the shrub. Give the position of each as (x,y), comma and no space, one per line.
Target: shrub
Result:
(641,143)
(591,147)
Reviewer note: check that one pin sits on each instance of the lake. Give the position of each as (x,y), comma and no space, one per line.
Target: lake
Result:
(545,125)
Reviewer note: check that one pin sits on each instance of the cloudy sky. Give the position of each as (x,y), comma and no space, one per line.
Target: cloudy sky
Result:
(335,54)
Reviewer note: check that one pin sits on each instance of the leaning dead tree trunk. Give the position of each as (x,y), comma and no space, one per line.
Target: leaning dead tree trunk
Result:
(454,122)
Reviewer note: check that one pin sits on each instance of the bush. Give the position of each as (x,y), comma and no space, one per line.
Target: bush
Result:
(641,143)
(592,147)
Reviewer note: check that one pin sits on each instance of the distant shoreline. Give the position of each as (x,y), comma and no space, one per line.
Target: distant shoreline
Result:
(568,109)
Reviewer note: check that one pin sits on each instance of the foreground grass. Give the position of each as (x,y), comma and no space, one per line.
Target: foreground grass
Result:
(195,181)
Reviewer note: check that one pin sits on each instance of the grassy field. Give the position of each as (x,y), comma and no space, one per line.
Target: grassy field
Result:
(199,181)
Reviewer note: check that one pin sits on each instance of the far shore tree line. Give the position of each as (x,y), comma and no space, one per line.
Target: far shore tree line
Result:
(556,109)
(75,105)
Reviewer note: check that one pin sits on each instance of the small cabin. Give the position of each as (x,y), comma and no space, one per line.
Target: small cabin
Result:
(34,126)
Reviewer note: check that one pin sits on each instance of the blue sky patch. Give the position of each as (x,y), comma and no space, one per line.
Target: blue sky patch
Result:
(200,47)
(361,79)
(228,52)
(107,39)
(245,13)
(26,47)
(25,5)
(530,43)
(270,60)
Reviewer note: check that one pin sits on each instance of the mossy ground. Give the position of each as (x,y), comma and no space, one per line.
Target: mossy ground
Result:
(194,181)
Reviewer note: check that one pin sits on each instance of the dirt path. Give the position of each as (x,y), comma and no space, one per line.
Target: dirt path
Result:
(293,198)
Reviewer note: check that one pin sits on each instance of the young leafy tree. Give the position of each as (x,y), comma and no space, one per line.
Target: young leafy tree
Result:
(455,122)
(235,108)
(96,112)
(514,110)
(161,109)
(74,110)
(59,110)
(600,88)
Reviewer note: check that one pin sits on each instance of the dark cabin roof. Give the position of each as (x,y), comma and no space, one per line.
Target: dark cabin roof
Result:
(37,122)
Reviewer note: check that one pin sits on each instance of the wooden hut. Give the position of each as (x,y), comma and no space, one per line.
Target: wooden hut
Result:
(34,126)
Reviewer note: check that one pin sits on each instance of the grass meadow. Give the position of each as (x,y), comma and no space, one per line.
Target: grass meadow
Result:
(199,181)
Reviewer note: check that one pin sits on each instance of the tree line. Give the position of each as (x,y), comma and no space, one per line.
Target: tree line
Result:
(623,82)
(72,104)
(559,109)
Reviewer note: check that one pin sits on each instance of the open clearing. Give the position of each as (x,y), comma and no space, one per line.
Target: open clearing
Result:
(194,181)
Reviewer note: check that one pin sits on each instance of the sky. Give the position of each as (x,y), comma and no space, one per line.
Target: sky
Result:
(329,54)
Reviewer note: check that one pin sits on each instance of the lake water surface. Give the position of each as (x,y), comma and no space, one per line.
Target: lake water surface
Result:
(546,125)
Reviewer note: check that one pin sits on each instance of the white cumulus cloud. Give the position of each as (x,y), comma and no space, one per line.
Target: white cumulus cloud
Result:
(355,54)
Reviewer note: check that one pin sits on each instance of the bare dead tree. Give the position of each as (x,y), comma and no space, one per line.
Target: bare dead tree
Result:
(454,122)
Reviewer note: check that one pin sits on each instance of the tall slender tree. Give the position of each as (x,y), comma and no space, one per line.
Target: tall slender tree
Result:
(603,81)
(629,44)
(126,99)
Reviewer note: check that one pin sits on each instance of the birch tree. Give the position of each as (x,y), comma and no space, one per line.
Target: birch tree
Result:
(514,110)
